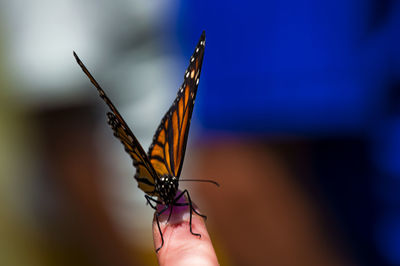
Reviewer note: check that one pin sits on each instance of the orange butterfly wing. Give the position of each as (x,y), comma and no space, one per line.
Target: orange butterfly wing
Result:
(145,173)
(167,151)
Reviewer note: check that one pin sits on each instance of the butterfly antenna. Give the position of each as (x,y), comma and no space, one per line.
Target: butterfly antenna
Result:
(201,180)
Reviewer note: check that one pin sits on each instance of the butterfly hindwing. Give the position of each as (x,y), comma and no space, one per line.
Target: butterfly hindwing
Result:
(167,151)
(145,173)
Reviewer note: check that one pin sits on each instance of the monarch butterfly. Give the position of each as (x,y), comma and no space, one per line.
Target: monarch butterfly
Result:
(158,171)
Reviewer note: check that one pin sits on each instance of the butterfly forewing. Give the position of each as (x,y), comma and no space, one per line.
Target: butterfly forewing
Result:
(145,173)
(167,151)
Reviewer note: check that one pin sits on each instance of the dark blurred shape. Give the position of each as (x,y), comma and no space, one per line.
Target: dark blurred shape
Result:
(262,212)
(347,178)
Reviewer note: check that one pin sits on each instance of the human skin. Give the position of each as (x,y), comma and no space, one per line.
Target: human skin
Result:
(180,246)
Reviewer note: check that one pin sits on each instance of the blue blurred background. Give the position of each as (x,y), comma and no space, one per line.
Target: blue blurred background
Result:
(297,116)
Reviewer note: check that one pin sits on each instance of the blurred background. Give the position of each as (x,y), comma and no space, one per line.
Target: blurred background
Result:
(297,117)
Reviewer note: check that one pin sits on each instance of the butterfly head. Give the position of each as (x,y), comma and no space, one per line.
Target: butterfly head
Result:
(166,187)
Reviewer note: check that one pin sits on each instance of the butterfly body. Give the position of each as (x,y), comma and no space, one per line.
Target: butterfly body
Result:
(158,171)
(165,188)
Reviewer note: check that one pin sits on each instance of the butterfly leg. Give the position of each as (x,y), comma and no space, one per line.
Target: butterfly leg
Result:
(170,213)
(159,228)
(191,209)
(150,199)
(199,214)
(185,204)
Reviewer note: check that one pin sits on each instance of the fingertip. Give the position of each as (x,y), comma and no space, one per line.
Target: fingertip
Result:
(180,246)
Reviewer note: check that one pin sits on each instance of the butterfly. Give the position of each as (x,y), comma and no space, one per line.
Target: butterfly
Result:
(158,171)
